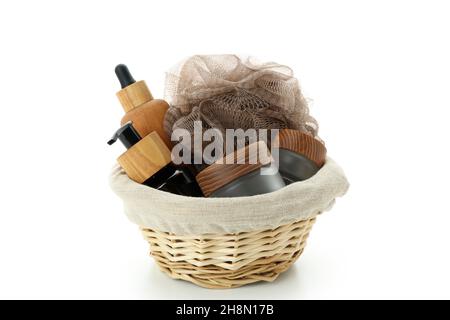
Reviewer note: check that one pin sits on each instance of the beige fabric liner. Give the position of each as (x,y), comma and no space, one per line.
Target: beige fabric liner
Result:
(162,211)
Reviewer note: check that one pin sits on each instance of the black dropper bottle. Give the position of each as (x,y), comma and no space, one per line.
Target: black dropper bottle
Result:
(168,178)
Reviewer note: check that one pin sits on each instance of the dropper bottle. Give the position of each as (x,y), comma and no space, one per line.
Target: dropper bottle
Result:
(146,113)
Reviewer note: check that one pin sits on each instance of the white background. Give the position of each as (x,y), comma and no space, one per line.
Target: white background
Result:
(378,73)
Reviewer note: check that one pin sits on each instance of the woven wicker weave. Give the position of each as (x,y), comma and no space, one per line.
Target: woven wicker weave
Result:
(231,260)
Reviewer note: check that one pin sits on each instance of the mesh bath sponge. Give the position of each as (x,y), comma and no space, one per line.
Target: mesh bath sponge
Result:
(229,92)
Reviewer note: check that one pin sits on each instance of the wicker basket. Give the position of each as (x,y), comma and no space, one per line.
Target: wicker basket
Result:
(229,242)
(229,260)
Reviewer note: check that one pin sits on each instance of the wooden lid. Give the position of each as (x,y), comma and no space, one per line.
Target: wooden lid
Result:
(303,144)
(233,166)
(134,95)
(145,158)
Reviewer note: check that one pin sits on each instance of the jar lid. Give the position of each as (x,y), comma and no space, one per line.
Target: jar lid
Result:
(145,158)
(304,144)
(233,166)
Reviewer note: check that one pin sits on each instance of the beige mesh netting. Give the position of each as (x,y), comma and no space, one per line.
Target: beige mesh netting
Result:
(229,92)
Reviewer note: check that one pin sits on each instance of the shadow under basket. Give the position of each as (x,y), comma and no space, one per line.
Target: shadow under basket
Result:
(229,260)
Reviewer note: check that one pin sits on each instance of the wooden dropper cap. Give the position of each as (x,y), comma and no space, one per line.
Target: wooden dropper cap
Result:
(133,94)
(304,144)
(241,162)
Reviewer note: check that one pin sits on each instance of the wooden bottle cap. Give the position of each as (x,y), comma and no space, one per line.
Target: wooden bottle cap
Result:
(304,144)
(145,158)
(218,174)
(134,95)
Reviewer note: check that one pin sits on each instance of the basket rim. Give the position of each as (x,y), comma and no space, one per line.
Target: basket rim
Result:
(131,186)
(182,215)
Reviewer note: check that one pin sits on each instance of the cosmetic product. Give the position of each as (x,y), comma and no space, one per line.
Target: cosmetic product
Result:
(146,113)
(148,161)
(239,174)
(300,155)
